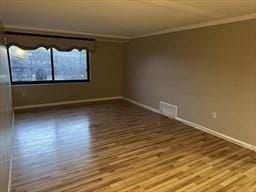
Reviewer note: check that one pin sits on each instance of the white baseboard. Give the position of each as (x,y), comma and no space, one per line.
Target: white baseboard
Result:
(11,156)
(141,105)
(217,134)
(67,102)
(197,126)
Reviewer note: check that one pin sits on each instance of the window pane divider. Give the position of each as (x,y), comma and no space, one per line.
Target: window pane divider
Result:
(52,65)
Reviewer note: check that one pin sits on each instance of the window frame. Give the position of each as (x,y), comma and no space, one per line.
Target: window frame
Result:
(53,81)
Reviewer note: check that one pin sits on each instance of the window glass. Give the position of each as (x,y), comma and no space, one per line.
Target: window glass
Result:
(48,65)
(70,65)
(30,65)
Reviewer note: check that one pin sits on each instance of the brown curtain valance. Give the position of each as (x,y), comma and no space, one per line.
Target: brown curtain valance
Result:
(31,41)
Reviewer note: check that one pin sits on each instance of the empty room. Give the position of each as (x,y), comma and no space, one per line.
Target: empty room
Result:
(127,95)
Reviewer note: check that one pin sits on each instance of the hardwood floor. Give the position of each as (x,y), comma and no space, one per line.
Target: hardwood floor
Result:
(119,147)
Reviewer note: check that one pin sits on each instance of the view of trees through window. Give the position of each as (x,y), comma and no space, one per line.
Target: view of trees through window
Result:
(69,65)
(30,65)
(35,65)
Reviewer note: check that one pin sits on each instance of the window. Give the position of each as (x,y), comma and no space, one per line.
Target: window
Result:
(43,65)
(63,69)
(32,65)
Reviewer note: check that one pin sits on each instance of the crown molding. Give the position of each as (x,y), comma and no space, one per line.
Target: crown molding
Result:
(200,25)
(97,36)
(124,39)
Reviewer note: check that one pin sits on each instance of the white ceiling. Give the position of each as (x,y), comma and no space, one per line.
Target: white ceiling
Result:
(119,18)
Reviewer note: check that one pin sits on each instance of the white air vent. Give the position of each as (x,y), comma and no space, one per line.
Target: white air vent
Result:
(168,110)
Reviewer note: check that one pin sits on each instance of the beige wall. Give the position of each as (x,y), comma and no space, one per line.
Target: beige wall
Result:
(204,70)
(5,117)
(106,80)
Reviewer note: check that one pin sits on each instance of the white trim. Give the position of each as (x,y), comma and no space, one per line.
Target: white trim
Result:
(197,126)
(98,36)
(200,25)
(67,102)
(142,105)
(11,155)
(218,134)
(120,38)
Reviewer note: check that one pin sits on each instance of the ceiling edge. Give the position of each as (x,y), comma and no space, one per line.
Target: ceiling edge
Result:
(98,37)
(123,39)
(200,25)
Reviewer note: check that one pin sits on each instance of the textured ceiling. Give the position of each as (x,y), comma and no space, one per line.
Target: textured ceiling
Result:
(123,18)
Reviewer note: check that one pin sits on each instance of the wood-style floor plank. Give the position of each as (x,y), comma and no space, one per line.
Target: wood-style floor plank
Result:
(119,147)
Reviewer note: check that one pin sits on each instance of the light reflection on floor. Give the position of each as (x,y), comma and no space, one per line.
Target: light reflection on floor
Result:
(45,140)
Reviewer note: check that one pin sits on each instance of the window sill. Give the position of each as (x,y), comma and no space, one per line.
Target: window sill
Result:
(30,83)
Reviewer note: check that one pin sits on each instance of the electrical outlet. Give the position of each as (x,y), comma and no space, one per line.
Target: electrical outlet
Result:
(23,93)
(214,115)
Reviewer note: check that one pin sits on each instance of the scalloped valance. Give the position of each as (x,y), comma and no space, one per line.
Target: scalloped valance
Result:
(33,41)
